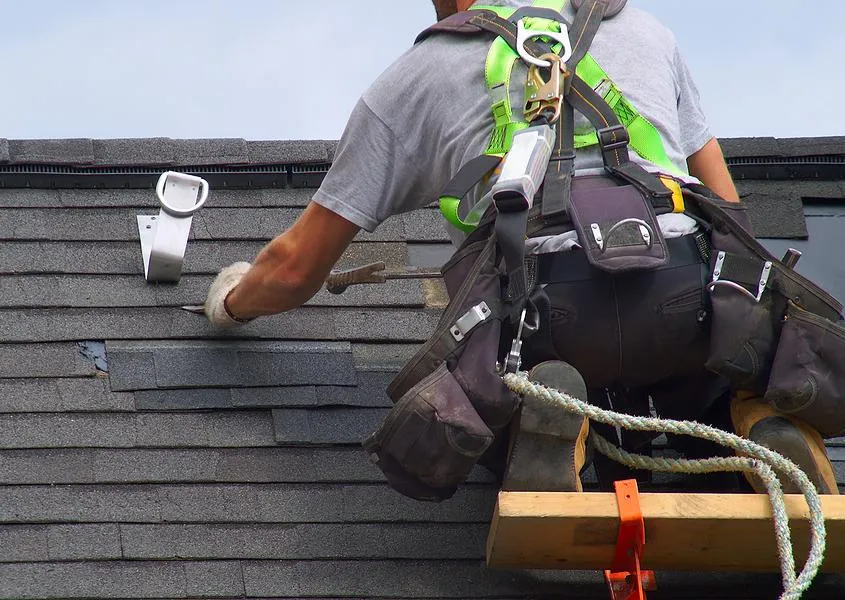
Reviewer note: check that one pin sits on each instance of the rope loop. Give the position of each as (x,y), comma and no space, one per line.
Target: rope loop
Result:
(754,458)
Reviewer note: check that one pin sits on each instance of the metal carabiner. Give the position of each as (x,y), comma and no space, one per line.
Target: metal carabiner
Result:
(542,95)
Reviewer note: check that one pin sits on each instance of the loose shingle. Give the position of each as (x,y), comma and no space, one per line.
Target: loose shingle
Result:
(76,152)
(325,426)
(371,394)
(43,360)
(228,364)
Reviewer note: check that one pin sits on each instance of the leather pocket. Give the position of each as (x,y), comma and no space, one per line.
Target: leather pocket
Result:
(742,338)
(431,438)
(808,373)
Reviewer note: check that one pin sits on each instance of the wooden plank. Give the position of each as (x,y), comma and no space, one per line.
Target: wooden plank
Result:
(699,532)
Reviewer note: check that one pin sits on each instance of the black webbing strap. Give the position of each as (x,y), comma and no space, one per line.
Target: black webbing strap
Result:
(470,174)
(557,186)
(473,22)
(588,17)
(510,233)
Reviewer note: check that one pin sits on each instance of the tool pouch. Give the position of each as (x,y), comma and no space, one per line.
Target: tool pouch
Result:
(450,401)
(743,330)
(754,298)
(430,439)
(808,373)
(618,228)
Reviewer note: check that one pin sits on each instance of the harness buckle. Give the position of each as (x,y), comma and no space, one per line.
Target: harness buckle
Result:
(613,137)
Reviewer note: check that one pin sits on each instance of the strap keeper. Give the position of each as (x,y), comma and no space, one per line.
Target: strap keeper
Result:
(613,137)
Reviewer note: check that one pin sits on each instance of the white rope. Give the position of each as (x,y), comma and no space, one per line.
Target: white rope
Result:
(757,459)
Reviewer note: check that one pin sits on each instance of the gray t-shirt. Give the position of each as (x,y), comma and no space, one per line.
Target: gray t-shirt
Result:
(429,113)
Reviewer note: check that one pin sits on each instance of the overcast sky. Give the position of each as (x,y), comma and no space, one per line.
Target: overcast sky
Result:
(285,69)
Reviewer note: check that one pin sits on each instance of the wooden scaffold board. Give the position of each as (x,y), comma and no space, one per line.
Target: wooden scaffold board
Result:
(683,532)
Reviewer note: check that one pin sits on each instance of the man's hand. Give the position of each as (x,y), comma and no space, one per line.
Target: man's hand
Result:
(215,303)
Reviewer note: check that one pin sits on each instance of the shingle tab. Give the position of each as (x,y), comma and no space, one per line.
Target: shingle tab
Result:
(92,504)
(76,152)
(145,152)
(43,360)
(325,426)
(92,580)
(89,394)
(114,430)
(179,364)
(220,151)
(83,542)
(310,323)
(288,152)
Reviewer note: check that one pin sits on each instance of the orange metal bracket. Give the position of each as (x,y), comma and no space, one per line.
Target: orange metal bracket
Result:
(625,578)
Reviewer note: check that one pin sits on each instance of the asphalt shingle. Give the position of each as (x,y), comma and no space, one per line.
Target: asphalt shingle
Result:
(89,394)
(326,425)
(43,360)
(303,542)
(149,152)
(126,430)
(75,152)
(201,256)
(181,364)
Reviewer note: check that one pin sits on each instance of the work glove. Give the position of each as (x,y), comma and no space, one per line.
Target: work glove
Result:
(224,283)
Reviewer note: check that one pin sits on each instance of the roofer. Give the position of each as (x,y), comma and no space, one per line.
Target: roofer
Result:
(638,282)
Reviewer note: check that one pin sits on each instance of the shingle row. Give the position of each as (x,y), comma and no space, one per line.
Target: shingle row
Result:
(244,504)
(154,152)
(256,224)
(201,256)
(309,323)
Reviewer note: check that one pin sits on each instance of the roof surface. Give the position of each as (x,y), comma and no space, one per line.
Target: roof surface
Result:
(144,454)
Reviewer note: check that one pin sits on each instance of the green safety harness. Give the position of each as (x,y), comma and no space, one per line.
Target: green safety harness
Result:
(543,16)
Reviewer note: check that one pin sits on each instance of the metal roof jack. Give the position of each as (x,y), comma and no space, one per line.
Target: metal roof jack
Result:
(165,237)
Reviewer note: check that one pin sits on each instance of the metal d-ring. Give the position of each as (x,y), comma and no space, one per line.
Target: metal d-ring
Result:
(202,187)
(733,286)
(523,35)
(648,239)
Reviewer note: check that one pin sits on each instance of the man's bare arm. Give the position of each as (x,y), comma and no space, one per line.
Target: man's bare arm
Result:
(708,165)
(293,267)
